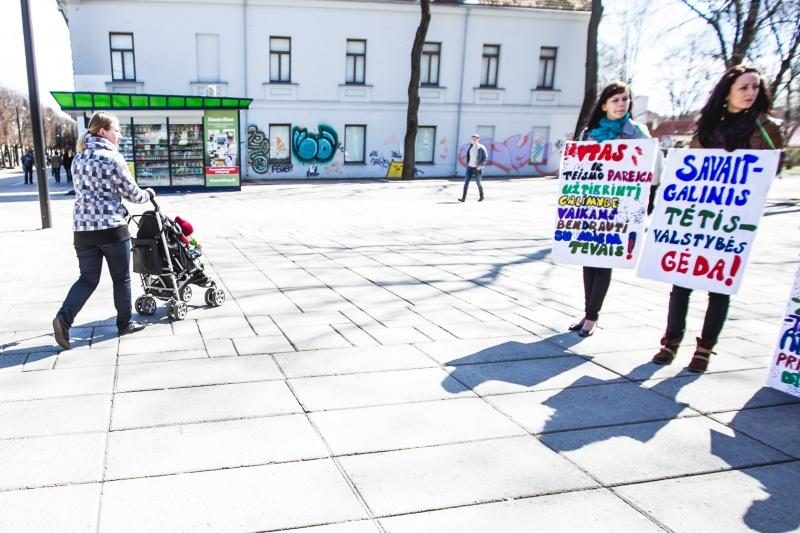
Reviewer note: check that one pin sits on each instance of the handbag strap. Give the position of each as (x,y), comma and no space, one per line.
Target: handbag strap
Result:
(765,135)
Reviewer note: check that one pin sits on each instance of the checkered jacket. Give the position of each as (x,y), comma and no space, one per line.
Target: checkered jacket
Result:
(101,179)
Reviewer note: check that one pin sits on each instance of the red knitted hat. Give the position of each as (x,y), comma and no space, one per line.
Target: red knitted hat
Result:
(185,226)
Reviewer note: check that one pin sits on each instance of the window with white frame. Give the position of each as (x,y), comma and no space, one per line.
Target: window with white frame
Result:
(207,56)
(280,59)
(355,141)
(279,143)
(356,61)
(489,65)
(426,141)
(429,64)
(123,65)
(547,67)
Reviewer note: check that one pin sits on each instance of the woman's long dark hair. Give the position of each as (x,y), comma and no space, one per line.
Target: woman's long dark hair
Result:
(612,89)
(715,110)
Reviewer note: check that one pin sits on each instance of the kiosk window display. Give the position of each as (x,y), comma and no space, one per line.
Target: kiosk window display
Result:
(171,141)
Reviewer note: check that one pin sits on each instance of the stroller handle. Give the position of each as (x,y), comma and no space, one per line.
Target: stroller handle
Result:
(155,204)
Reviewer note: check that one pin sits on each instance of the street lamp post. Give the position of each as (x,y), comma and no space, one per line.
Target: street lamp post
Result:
(36,116)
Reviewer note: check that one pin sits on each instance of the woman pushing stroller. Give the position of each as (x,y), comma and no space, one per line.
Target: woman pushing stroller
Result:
(101,180)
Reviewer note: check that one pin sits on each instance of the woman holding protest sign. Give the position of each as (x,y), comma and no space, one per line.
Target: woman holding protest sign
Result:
(610,120)
(736,116)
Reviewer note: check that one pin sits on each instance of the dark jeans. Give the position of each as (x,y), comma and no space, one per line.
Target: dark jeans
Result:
(595,287)
(57,174)
(69,174)
(90,262)
(472,173)
(716,312)
(28,175)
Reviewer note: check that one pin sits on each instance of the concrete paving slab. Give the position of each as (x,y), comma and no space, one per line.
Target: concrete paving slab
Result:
(52,460)
(56,383)
(313,336)
(362,526)
(40,361)
(753,499)
(377,388)
(225,327)
(133,344)
(262,345)
(722,392)
(526,375)
(459,474)
(220,348)
(106,356)
(635,364)
(465,352)
(484,330)
(395,427)
(261,498)
(396,335)
(73,414)
(771,425)
(211,446)
(599,509)
(161,357)
(655,450)
(70,508)
(202,404)
(576,406)
(352,360)
(194,372)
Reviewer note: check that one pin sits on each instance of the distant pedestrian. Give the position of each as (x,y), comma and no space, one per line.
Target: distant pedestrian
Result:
(476,160)
(55,165)
(736,116)
(100,230)
(610,119)
(27,167)
(68,157)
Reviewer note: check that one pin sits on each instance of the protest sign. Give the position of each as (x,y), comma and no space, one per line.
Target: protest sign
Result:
(784,372)
(602,202)
(707,212)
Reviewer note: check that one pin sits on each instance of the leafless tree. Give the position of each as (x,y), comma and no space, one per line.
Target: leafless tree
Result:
(412,119)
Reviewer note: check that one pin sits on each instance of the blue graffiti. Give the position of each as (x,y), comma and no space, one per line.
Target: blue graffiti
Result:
(314,147)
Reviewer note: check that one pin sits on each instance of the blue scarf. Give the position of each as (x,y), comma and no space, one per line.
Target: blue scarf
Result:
(607,130)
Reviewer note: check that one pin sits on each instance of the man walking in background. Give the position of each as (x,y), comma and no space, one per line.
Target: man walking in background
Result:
(476,160)
(27,167)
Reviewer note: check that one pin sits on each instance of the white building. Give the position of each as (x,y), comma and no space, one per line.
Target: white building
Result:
(328,79)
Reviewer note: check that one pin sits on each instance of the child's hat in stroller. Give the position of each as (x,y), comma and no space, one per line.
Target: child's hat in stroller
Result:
(186,227)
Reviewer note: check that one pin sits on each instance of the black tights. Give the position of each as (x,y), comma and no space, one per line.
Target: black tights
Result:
(595,287)
(716,312)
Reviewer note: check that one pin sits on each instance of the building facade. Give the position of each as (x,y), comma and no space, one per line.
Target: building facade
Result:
(328,79)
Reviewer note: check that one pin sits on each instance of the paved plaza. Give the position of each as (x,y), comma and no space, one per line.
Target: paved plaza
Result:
(388,360)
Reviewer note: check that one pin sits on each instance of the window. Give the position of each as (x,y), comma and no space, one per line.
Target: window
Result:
(279,151)
(207,56)
(355,138)
(491,57)
(547,67)
(123,66)
(487,136)
(280,59)
(426,137)
(429,64)
(356,61)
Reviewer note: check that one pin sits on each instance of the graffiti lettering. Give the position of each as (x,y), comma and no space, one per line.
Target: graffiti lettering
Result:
(312,171)
(257,149)
(281,168)
(314,147)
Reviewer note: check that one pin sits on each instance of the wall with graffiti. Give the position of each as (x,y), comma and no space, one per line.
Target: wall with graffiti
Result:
(279,147)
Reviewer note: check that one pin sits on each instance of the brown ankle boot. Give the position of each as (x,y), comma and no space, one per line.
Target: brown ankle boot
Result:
(702,354)
(669,347)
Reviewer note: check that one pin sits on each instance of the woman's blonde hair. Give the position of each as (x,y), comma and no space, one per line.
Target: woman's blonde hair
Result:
(99,121)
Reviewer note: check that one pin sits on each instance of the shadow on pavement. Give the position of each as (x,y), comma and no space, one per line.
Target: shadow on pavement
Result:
(779,511)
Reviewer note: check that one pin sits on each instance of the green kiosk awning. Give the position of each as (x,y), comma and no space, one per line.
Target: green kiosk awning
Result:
(89,101)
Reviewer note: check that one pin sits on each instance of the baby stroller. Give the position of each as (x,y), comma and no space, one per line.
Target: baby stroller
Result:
(167,266)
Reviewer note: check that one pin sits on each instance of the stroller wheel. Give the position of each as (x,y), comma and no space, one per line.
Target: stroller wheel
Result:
(146,305)
(215,297)
(186,294)
(177,310)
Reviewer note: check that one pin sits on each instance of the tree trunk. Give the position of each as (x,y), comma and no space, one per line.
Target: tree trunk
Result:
(412,121)
(590,85)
